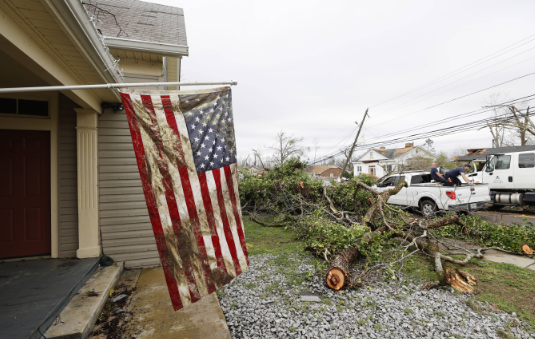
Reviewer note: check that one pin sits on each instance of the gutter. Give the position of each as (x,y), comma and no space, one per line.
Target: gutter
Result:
(74,18)
(146,46)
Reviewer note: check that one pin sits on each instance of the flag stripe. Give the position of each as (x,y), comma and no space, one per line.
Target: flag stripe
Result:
(151,203)
(236,213)
(227,257)
(211,220)
(232,219)
(194,220)
(239,228)
(226,226)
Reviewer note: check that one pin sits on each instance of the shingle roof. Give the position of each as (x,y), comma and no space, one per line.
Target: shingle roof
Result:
(393,152)
(318,169)
(139,20)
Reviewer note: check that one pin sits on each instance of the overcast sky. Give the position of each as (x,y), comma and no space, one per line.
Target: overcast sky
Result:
(311,68)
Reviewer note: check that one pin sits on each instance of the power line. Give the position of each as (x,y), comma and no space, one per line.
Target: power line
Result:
(462,115)
(457,98)
(460,70)
(410,102)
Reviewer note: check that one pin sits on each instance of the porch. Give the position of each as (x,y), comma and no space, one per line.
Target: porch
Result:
(33,292)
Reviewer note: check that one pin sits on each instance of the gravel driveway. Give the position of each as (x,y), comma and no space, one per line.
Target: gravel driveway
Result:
(265,302)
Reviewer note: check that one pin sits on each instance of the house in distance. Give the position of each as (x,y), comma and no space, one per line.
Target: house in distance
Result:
(381,161)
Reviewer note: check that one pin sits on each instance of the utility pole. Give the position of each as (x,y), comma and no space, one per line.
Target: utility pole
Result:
(354,143)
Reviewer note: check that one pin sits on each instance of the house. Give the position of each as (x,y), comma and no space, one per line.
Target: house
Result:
(68,171)
(324,171)
(69,183)
(379,162)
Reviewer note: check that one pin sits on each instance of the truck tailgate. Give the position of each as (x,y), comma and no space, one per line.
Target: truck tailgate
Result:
(466,194)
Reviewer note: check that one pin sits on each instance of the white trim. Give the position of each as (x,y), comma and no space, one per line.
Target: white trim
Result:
(54,175)
(146,46)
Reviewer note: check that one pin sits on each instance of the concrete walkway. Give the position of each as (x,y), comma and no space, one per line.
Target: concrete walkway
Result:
(152,315)
(502,257)
(492,255)
(506,217)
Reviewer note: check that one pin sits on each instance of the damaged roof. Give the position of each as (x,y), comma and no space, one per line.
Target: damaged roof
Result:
(139,20)
(318,169)
(393,152)
(481,153)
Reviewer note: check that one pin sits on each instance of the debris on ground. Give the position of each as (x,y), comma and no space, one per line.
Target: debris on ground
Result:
(108,325)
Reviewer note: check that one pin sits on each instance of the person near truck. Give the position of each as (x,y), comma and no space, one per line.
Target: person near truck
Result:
(451,176)
(435,174)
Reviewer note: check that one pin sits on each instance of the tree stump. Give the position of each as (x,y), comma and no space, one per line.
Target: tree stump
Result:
(339,270)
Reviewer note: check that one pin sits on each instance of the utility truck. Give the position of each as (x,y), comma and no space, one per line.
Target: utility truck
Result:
(429,197)
(509,172)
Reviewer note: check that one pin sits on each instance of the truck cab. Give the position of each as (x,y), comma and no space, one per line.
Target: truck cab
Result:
(511,177)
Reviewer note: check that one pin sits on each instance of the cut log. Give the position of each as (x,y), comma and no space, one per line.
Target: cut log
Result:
(339,270)
(527,249)
(459,284)
(468,277)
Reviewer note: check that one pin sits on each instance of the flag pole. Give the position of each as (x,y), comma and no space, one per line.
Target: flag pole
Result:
(110,86)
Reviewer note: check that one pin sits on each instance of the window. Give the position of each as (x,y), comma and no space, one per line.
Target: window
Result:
(401,178)
(389,181)
(490,166)
(416,179)
(8,106)
(359,168)
(421,179)
(332,175)
(503,162)
(24,107)
(526,160)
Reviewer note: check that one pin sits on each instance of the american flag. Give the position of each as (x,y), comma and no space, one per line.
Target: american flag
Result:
(186,154)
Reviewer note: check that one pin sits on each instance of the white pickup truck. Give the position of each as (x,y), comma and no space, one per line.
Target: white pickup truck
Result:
(430,197)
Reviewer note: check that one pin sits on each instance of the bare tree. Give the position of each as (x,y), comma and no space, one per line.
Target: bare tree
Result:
(522,124)
(286,147)
(497,129)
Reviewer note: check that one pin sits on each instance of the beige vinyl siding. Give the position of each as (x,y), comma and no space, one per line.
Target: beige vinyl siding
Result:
(124,220)
(68,194)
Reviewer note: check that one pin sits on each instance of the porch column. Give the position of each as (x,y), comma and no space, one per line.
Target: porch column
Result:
(87,155)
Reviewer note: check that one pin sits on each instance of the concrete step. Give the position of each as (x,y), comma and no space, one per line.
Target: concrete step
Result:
(79,316)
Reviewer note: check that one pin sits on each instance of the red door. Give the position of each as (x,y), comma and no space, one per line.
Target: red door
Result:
(24,193)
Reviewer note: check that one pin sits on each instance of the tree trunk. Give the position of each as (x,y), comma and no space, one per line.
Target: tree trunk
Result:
(339,271)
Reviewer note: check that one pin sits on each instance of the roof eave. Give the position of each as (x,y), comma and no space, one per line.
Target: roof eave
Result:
(75,16)
(146,46)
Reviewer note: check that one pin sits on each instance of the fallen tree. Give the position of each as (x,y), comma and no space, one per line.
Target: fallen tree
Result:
(352,223)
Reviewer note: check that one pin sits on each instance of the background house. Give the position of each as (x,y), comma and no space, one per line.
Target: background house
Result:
(68,170)
(324,171)
(381,161)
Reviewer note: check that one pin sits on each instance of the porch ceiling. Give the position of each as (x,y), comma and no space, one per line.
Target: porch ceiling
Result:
(14,74)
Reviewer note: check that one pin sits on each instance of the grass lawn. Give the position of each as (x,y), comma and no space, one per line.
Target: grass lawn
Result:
(272,240)
(510,288)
